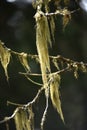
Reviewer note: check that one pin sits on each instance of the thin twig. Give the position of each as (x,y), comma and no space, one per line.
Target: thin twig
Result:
(14,104)
(35,74)
(33,81)
(59,57)
(22,106)
(63,70)
(35,98)
(45,111)
(31,74)
(10,117)
(61,12)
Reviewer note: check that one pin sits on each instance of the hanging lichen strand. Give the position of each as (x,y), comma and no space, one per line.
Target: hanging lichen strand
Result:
(4,58)
(55,94)
(24,119)
(43,39)
(23,58)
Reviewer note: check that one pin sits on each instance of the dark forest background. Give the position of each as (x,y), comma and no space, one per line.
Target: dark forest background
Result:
(17,31)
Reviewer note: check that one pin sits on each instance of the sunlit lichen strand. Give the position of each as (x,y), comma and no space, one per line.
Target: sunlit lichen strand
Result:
(23,57)
(4,58)
(42,41)
(55,94)
(24,120)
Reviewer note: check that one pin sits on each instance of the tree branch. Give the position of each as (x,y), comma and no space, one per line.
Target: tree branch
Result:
(63,12)
(22,106)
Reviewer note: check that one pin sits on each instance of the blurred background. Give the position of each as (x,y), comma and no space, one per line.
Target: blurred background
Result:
(17,31)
